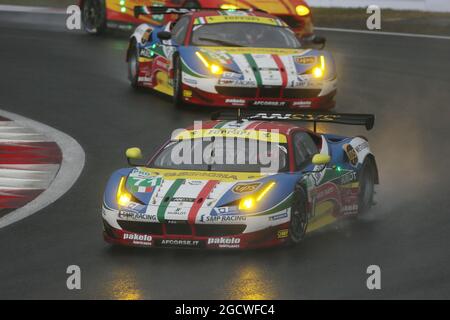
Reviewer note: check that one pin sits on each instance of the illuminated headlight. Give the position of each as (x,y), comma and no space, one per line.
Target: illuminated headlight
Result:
(319,71)
(302,10)
(212,67)
(227,6)
(123,196)
(250,202)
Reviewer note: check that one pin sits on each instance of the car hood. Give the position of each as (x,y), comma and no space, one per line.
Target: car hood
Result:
(173,194)
(263,66)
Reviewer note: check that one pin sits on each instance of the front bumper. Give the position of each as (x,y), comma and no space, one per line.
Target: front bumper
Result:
(257,98)
(221,232)
(269,237)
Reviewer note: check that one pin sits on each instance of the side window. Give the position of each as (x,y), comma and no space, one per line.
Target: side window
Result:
(304,148)
(180,29)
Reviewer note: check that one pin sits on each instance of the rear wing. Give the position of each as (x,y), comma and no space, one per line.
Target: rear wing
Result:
(155,10)
(357,119)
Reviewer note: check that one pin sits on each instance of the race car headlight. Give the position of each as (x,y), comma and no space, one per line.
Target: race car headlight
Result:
(319,71)
(249,202)
(227,6)
(302,10)
(123,196)
(214,68)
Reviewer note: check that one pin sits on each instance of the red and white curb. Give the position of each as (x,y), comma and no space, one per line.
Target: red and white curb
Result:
(38,164)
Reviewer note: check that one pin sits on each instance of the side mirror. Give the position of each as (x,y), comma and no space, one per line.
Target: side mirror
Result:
(314,41)
(319,40)
(133,154)
(164,35)
(321,159)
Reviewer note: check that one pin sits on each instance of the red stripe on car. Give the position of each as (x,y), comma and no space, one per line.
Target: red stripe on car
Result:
(200,199)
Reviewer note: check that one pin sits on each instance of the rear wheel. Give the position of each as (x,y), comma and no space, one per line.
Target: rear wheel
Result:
(177,83)
(299,216)
(133,65)
(366,186)
(94,16)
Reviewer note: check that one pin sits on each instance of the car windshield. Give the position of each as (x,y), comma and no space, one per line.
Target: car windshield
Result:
(254,35)
(222,155)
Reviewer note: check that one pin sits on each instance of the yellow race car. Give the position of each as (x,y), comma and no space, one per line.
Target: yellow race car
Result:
(98,15)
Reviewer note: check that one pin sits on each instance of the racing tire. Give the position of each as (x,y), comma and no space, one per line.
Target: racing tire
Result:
(133,65)
(93,15)
(177,83)
(299,216)
(367,177)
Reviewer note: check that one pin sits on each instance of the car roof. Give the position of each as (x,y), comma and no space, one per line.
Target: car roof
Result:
(282,127)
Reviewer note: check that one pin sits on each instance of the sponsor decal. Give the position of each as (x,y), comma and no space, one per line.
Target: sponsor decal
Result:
(179,242)
(269,103)
(245,188)
(146,53)
(182,199)
(232,133)
(346,178)
(225,242)
(194,182)
(238,18)
(352,155)
(145,79)
(232,76)
(281,234)
(235,102)
(222,218)
(236,83)
(360,147)
(177,211)
(278,216)
(302,104)
(187,93)
(130,215)
(304,60)
(137,237)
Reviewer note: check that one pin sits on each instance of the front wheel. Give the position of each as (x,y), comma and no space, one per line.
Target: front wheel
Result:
(93,15)
(366,186)
(177,83)
(133,65)
(299,216)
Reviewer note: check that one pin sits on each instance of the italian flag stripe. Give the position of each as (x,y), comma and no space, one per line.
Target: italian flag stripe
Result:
(200,200)
(281,67)
(255,68)
(169,194)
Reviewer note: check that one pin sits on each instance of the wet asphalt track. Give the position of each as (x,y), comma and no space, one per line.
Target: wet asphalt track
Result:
(77,84)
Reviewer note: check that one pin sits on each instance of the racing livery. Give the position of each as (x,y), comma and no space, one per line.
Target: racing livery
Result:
(320,178)
(101,14)
(205,58)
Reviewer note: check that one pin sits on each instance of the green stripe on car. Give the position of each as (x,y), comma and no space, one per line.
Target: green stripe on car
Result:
(167,198)
(255,68)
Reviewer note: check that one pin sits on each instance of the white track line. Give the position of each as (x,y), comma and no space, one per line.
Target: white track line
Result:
(29,9)
(382,33)
(71,167)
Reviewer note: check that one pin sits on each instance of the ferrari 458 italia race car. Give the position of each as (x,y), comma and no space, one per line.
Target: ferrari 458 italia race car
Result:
(212,204)
(98,15)
(230,58)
